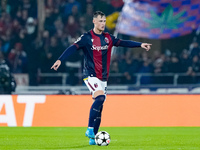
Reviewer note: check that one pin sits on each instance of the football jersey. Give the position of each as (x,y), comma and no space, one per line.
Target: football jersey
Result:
(97,53)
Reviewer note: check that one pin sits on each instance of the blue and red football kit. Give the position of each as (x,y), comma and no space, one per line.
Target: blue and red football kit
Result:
(97,52)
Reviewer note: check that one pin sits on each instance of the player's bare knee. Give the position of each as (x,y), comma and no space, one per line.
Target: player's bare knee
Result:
(99,92)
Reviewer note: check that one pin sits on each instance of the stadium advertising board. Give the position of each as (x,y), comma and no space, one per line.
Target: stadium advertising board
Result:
(119,110)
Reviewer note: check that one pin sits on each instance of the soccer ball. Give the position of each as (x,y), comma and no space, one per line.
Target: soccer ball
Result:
(102,138)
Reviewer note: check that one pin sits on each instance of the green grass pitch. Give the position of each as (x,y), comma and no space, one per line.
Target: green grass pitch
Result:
(122,138)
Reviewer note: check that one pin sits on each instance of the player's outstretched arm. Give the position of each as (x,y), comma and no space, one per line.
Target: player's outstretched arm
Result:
(146,46)
(56,65)
(131,44)
(70,50)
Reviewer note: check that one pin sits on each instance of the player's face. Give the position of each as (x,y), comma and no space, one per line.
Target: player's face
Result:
(100,23)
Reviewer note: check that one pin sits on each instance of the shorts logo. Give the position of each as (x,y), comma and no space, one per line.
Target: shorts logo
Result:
(95,85)
(106,40)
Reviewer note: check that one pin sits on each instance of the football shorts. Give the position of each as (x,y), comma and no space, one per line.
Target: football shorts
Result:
(94,84)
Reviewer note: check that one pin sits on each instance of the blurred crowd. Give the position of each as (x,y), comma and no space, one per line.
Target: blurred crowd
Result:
(186,62)
(26,50)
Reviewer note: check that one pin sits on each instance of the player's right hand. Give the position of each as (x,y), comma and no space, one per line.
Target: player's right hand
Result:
(146,46)
(56,65)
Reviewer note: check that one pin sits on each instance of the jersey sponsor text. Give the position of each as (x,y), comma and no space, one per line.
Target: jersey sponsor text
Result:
(94,47)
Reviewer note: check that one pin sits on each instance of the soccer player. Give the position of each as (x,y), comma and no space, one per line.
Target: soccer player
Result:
(96,45)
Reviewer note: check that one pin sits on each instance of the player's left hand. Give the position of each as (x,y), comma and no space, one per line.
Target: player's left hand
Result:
(146,46)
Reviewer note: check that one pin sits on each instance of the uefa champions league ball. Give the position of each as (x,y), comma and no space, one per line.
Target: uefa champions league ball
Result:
(102,138)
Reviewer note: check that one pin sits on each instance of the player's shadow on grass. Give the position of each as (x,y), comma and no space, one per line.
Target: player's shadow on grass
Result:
(71,147)
(76,146)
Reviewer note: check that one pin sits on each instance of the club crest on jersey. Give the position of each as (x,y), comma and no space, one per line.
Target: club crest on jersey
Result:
(106,40)
(95,85)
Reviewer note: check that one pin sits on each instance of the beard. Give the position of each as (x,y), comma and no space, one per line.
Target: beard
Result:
(30,29)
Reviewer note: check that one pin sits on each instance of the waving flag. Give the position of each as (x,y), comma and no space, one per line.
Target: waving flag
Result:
(159,19)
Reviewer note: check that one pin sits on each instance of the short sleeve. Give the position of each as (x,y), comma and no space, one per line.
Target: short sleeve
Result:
(81,41)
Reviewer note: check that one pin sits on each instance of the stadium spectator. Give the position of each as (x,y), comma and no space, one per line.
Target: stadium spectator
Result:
(75,13)
(184,61)
(145,67)
(114,69)
(83,25)
(4,7)
(69,6)
(18,59)
(174,66)
(72,27)
(28,39)
(128,68)
(116,4)
(167,61)
(16,26)
(192,70)
(58,24)
(43,49)
(158,64)
(54,50)
(195,50)
(88,16)
(30,6)
(50,4)
(49,21)
(105,6)
(24,17)
(195,64)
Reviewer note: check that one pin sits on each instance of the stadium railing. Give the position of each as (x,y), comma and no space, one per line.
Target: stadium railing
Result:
(142,83)
(138,79)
